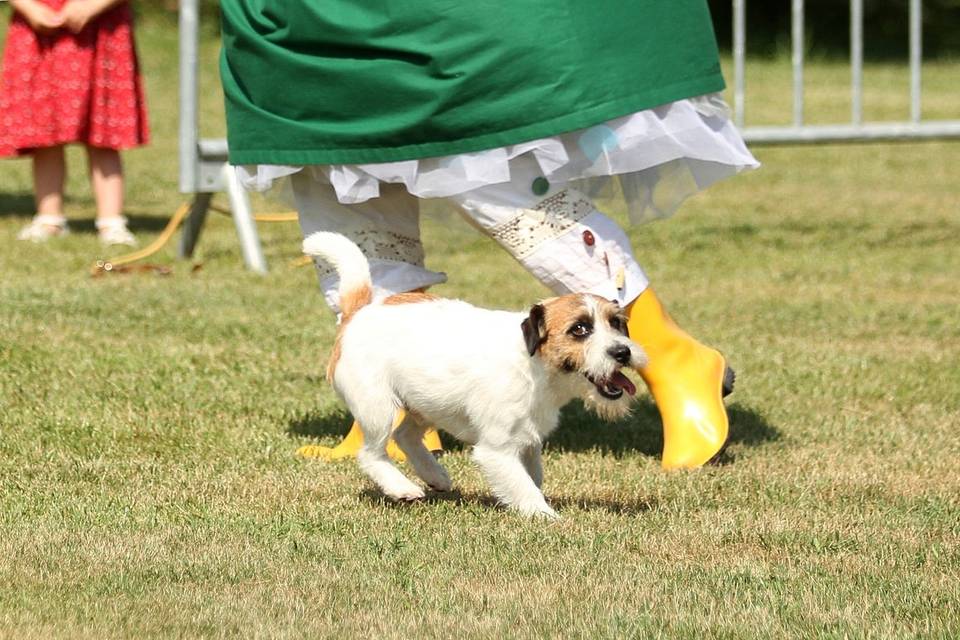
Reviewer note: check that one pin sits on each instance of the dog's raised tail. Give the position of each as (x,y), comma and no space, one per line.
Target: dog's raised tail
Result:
(350,264)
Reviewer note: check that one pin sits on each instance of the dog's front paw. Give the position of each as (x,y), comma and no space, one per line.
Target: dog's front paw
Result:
(538,511)
(408,493)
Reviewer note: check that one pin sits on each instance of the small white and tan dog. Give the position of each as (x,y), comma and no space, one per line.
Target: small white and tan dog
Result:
(494,379)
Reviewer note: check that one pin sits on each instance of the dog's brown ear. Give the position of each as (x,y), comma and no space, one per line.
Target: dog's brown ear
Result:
(534,329)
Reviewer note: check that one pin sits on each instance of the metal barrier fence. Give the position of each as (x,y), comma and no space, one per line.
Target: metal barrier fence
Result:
(857,131)
(203,161)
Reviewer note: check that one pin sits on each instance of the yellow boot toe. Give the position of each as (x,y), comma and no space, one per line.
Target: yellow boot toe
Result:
(350,446)
(688,381)
(346,449)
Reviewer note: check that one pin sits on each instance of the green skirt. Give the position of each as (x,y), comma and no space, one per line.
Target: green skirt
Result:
(341,81)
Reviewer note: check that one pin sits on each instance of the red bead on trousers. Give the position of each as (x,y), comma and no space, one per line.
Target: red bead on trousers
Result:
(67,87)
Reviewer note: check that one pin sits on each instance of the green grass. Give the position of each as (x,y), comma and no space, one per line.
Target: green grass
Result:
(148,485)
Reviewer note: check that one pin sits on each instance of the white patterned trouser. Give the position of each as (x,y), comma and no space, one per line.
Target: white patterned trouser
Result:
(552,230)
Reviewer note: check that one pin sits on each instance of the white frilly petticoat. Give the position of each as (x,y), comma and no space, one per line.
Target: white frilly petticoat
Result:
(657,158)
(536,199)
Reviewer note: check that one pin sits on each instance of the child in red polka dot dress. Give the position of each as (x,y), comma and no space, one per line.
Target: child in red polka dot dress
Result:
(70,75)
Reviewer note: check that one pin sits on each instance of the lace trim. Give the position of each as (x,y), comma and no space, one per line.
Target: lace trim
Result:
(548,219)
(377,244)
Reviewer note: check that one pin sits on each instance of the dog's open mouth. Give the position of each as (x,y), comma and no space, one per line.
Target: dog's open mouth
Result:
(612,388)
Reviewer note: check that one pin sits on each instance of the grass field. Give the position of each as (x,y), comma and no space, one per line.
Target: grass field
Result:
(148,483)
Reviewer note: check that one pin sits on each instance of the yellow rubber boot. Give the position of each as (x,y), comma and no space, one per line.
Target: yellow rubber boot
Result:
(347,448)
(351,444)
(688,381)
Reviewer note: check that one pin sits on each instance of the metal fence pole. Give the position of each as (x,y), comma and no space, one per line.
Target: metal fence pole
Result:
(856,62)
(189,83)
(797,24)
(914,128)
(243,221)
(916,55)
(739,54)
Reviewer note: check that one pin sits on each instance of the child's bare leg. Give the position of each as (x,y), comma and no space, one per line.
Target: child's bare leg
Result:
(49,175)
(106,178)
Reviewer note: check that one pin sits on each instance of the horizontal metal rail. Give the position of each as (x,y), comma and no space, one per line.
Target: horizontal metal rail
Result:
(799,132)
(875,132)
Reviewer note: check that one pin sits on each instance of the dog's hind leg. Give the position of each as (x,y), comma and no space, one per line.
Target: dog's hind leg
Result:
(409,437)
(373,459)
(511,482)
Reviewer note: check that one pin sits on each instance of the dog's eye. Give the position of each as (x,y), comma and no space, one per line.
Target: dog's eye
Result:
(581,330)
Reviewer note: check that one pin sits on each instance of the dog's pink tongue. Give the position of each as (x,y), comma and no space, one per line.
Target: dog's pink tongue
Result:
(622,381)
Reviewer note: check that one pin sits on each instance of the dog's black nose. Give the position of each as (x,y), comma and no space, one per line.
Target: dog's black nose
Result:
(620,353)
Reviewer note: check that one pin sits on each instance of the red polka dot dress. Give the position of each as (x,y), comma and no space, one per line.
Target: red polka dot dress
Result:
(65,87)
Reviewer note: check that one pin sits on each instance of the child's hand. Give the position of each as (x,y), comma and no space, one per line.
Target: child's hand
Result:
(40,17)
(76,14)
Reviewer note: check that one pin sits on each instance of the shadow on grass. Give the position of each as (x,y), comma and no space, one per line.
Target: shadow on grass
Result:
(642,432)
(16,204)
(137,222)
(22,205)
(320,425)
(560,503)
(581,430)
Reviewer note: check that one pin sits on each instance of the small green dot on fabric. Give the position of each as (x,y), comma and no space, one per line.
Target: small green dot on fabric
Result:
(540,186)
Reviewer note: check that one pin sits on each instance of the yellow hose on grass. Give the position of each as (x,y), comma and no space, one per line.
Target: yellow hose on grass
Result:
(122,264)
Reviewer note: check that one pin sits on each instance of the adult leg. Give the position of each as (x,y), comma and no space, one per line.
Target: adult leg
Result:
(561,238)
(387,230)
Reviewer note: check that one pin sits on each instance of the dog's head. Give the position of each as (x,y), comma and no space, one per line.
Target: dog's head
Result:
(586,336)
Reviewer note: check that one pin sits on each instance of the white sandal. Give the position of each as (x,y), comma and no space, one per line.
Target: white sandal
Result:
(43,227)
(114,231)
